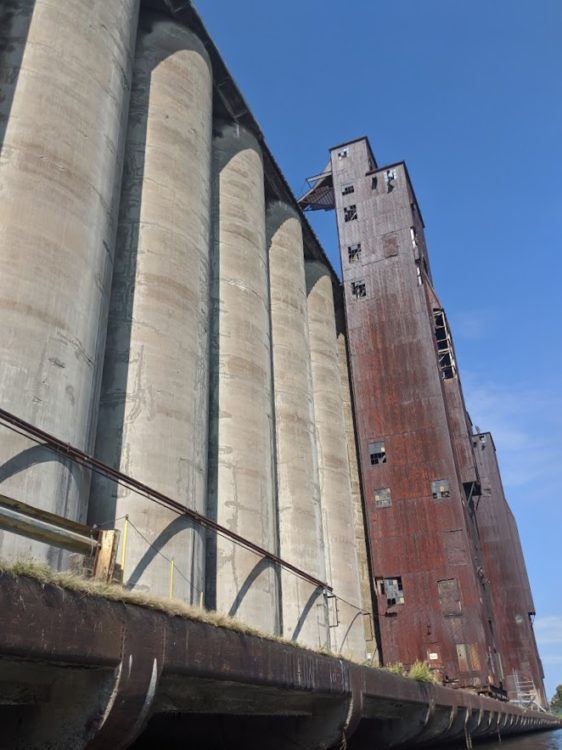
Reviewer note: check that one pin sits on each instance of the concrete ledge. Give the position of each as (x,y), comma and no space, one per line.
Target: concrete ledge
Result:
(84,672)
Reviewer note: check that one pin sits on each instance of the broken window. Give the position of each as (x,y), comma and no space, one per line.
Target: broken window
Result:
(391,588)
(440,489)
(445,353)
(350,213)
(414,236)
(354,251)
(389,178)
(358,289)
(347,189)
(377,453)
(383,498)
(343,153)
(449,597)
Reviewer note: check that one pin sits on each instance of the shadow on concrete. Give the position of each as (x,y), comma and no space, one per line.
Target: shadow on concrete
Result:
(15,19)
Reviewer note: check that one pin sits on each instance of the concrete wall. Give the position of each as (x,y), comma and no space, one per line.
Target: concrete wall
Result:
(153,414)
(65,78)
(241,445)
(335,484)
(304,613)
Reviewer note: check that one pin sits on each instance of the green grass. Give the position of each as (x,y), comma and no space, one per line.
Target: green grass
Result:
(421,672)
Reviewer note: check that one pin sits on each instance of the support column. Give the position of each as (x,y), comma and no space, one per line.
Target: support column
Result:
(153,414)
(65,77)
(335,486)
(241,460)
(304,612)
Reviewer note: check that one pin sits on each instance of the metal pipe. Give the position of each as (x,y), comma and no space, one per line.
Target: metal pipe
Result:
(69,451)
(41,531)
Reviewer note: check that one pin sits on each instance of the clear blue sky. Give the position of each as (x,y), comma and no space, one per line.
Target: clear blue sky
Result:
(470,95)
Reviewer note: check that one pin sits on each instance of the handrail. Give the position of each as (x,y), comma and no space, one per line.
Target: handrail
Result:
(69,451)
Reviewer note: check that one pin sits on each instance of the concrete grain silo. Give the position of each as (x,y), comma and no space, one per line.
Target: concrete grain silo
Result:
(335,486)
(304,611)
(153,412)
(358,515)
(241,459)
(65,79)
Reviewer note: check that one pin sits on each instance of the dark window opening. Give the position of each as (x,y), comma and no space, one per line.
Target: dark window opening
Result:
(445,352)
(347,189)
(353,252)
(377,453)
(383,498)
(440,489)
(374,183)
(358,289)
(343,154)
(350,213)
(392,589)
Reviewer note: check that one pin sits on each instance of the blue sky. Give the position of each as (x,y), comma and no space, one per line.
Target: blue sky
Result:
(470,95)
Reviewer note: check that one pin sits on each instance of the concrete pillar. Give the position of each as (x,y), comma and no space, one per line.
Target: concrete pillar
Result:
(153,411)
(241,460)
(304,614)
(64,90)
(335,485)
(358,516)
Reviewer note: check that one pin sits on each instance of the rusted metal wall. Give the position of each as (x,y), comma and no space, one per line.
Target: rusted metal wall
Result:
(460,428)
(399,399)
(507,575)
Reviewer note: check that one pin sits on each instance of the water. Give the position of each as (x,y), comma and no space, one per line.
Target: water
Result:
(533,741)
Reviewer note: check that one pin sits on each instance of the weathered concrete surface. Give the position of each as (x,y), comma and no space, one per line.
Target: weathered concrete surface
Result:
(153,411)
(65,73)
(79,672)
(370,626)
(241,442)
(304,612)
(335,483)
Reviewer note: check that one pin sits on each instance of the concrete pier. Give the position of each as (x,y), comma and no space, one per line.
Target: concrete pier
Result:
(346,616)
(65,70)
(241,458)
(153,413)
(304,611)
(143,679)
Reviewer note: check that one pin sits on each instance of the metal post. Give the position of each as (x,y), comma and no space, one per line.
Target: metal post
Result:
(124,543)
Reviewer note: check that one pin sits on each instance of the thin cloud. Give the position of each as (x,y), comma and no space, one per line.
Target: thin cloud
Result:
(548,630)
(527,427)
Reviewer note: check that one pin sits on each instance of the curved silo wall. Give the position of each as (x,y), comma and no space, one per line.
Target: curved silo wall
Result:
(241,459)
(64,90)
(335,485)
(304,612)
(153,412)
(358,516)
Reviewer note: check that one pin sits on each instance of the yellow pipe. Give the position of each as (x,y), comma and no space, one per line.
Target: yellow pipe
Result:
(124,542)
(171,592)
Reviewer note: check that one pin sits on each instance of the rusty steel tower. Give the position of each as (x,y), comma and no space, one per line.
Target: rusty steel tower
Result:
(420,476)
